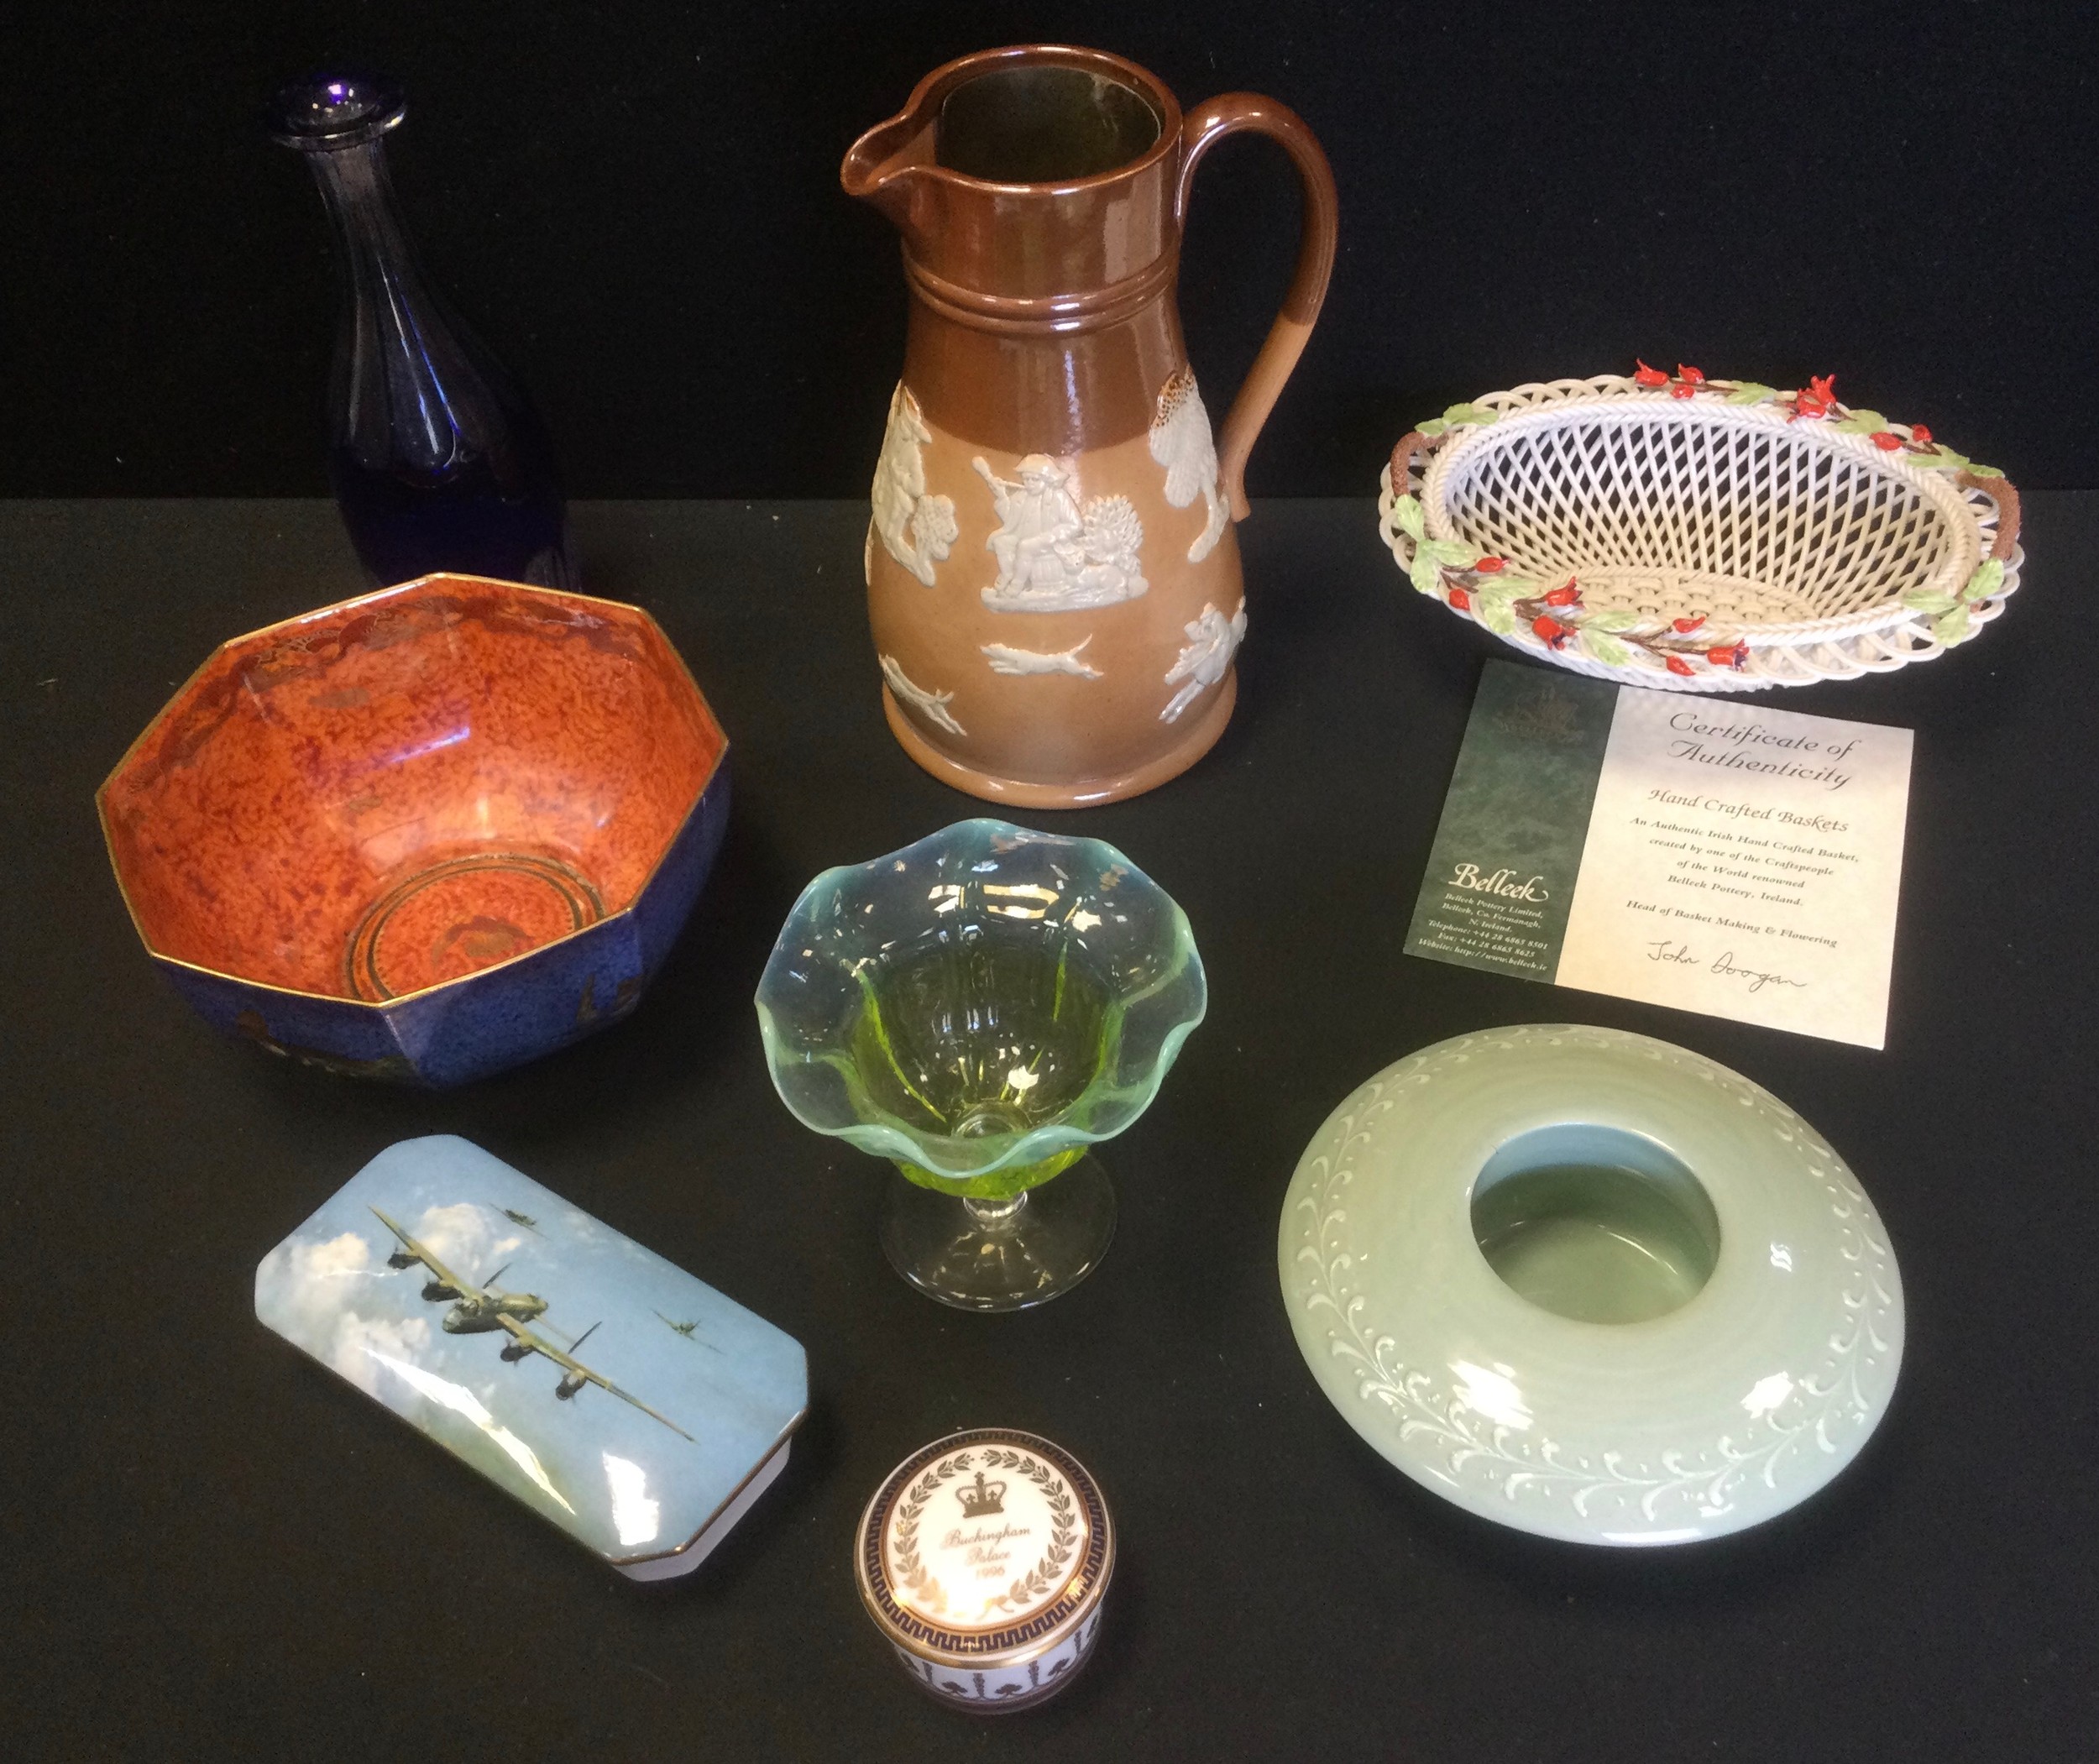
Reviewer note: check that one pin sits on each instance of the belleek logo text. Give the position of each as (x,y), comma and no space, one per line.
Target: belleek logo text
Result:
(1502,882)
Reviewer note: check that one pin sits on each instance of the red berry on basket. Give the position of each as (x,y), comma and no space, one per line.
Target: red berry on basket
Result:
(1690,376)
(1460,599)
(1887,441)
(1919,434)
(1817,397)
(1678,664)
(1733,658)
(1686,627)
(1685,388)
(1491,566)
(1648,376)
(1549,628)
(1566,596)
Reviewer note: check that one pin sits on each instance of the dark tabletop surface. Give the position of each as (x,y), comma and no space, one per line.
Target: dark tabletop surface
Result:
(214,1549)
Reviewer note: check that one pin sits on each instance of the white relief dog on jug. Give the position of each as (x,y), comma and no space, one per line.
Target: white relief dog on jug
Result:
(1181,442)
(932,706)
(918,530)
(1005,659)
(1054,556)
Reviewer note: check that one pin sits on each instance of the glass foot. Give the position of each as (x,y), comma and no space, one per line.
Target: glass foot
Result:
(1000,1255)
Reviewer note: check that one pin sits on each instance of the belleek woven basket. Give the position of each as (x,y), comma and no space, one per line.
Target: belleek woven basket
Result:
(1706,536)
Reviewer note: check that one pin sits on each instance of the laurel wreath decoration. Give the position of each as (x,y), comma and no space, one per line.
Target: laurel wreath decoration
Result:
(1064,1529)
(911,1571)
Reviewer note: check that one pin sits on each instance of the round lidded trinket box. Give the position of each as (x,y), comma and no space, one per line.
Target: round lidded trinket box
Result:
(1591,1285)
(983,1559)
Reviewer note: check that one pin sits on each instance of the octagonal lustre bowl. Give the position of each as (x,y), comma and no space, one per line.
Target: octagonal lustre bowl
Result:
(1591,1285)
(426,834)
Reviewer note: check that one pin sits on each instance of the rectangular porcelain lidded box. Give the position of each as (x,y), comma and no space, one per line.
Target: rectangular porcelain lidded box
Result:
(606,1388)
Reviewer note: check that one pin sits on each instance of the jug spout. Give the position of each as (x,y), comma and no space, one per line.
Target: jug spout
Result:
(884,165)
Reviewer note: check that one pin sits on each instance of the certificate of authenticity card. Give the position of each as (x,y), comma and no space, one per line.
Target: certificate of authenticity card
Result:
(1707,853)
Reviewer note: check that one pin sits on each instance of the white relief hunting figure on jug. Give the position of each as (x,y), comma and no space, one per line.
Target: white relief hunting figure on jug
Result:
(1212,640)
(1053,555)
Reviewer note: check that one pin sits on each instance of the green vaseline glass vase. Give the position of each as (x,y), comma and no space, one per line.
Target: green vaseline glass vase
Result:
(980,1008)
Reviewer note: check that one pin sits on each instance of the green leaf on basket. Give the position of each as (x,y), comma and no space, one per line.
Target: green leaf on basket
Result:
(1425,573)
(1497,616)
(1861,422)
(1929,600)
(1950,627)
(1944,460)
(1451,550)
(1407,511)
(1610,621)
(1430,429)
(1988,579)
(1984,471)
(1507,590)
(1750,392)
(1607,650)
(1477,414)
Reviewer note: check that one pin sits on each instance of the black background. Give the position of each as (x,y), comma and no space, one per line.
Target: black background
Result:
(219,1550)
(638,203)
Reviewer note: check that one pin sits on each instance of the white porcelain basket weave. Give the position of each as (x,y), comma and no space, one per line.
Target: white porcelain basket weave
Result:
(1703,535)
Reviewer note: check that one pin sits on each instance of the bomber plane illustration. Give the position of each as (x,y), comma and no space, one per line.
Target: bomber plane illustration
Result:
(479,1309)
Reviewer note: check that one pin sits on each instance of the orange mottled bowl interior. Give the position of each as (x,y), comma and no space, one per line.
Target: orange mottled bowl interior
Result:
(389,794)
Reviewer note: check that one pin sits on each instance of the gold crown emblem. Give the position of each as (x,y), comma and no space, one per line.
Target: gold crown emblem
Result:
(982,1500)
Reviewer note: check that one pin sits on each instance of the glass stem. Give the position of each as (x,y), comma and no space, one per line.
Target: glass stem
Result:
(995,1216)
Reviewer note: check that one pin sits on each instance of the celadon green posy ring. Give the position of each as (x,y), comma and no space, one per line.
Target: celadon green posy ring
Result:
(1591,1285)
(980,1008)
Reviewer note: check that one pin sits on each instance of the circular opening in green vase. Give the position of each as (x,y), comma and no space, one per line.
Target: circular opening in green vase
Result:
(1595,1224)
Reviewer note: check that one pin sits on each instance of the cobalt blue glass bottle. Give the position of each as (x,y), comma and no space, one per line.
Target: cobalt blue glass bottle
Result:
(438,460)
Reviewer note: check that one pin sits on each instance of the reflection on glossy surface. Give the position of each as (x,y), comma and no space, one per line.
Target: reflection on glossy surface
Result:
(980,1007)
(635,1517)
(395,794)
(1492,1393)
(1768,1394)
(463,1402)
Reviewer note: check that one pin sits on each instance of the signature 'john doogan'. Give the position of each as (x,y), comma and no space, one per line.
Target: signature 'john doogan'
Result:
(1680,954)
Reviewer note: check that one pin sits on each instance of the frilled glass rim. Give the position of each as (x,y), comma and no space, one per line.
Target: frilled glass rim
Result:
(934,1155)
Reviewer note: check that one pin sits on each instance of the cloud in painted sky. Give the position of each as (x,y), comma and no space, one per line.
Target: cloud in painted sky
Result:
(309,1291)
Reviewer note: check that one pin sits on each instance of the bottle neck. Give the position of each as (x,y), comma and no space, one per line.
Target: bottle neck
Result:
(408,397)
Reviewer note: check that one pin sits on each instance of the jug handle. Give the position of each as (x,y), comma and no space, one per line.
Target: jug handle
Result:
(1234,112)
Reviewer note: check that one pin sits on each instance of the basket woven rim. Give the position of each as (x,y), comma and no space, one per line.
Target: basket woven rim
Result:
(1878,637)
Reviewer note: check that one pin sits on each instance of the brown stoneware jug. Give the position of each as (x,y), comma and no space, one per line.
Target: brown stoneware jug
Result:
(1052,573)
